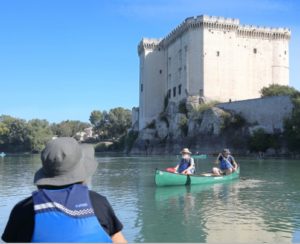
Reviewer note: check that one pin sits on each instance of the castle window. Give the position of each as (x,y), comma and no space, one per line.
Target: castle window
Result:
(142,87)
(159,49)
(285,52)
(255,50)
(185,48)
(169,93)
(174,91)
(160,71)
(201,92)
(180,55)
(218,54)
(179,89)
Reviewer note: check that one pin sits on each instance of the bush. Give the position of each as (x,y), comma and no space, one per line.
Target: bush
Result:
(118,145)
(201,108)
(232,122)
(182,108)
(277,90)
(261,141)
(183,125)
(150,125)
(101,147)
(292,124)
(130,139)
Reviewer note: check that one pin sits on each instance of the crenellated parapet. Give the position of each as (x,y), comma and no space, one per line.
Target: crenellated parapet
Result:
(219,24)
(202,21)
(150,44)
(260,32)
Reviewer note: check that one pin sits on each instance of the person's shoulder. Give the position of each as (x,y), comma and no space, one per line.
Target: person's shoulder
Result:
(96,197)
(23,209)
(26,203)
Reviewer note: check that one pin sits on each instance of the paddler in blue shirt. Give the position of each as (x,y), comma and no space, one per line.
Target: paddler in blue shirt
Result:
(186,164)
(228,163)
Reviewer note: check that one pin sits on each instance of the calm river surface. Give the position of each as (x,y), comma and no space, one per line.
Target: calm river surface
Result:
(264,208)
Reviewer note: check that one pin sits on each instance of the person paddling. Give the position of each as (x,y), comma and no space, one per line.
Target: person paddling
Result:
(186,164)
(225,167)
(63,209)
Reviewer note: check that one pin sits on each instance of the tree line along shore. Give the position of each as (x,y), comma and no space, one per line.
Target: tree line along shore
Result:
(112,129)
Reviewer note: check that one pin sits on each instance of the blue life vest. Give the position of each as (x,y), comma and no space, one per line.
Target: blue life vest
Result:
(66,215)
(184,164)
(224,164)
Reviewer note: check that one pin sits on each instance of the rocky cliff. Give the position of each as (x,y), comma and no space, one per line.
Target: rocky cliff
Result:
(206,128)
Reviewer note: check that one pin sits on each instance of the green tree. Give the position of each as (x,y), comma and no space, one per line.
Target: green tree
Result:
(261,141)
(99,120)
(277,90)
(3,132)
(64,130)
(119,121)
(291,124)
(37,134)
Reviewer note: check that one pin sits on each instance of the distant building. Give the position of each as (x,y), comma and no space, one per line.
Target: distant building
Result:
(89,131)
(211,57)
(81,134)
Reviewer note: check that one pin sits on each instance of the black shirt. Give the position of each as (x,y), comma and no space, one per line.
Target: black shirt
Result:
(21,220)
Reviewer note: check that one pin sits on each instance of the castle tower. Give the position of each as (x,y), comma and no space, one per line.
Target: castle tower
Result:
(151,81)
(213,57)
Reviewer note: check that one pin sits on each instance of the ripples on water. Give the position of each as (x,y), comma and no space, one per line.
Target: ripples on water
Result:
(264,208)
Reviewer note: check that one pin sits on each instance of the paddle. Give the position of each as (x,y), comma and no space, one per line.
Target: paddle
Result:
(232,167)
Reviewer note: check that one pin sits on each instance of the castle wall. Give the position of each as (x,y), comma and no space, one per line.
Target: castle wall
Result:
(280,68)
(212,57)
(135,115)
(258,110)
(219,64)
(195,67)
(254,70)
(152,69)
(177,59)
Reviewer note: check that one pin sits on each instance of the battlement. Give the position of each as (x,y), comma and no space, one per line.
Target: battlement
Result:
(201,21)
(147,43)
(264,32)
(216,23)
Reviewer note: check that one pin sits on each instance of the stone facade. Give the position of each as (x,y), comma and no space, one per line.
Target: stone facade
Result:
(211,57)
(267,113)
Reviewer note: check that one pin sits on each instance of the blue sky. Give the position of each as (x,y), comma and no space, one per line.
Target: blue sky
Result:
(61,60)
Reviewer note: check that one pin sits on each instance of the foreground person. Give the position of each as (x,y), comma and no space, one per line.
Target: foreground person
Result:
(186,164)
(225,167)
(63,209)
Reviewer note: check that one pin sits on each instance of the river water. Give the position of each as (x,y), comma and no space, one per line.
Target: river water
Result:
(264,208)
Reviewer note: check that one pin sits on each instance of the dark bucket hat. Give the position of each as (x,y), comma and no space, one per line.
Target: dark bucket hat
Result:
(65,162)
(226,151)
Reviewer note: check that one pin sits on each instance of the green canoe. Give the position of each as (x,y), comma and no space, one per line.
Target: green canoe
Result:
(194,156)
(164,178)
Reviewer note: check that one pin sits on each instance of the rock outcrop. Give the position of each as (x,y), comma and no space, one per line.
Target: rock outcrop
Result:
(202,131)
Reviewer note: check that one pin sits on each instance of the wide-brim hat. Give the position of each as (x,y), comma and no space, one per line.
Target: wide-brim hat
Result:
(185,150)
(226,151)
(65,162)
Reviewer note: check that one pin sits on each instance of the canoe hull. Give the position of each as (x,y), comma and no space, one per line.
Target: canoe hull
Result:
(163,178)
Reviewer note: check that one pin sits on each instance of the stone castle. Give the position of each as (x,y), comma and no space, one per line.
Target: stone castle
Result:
(215,58)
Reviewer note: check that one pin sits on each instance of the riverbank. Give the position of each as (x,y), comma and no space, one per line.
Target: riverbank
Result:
(283,156)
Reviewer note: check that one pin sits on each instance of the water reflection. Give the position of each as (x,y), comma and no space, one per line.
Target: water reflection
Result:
(226,215)
(264,208)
